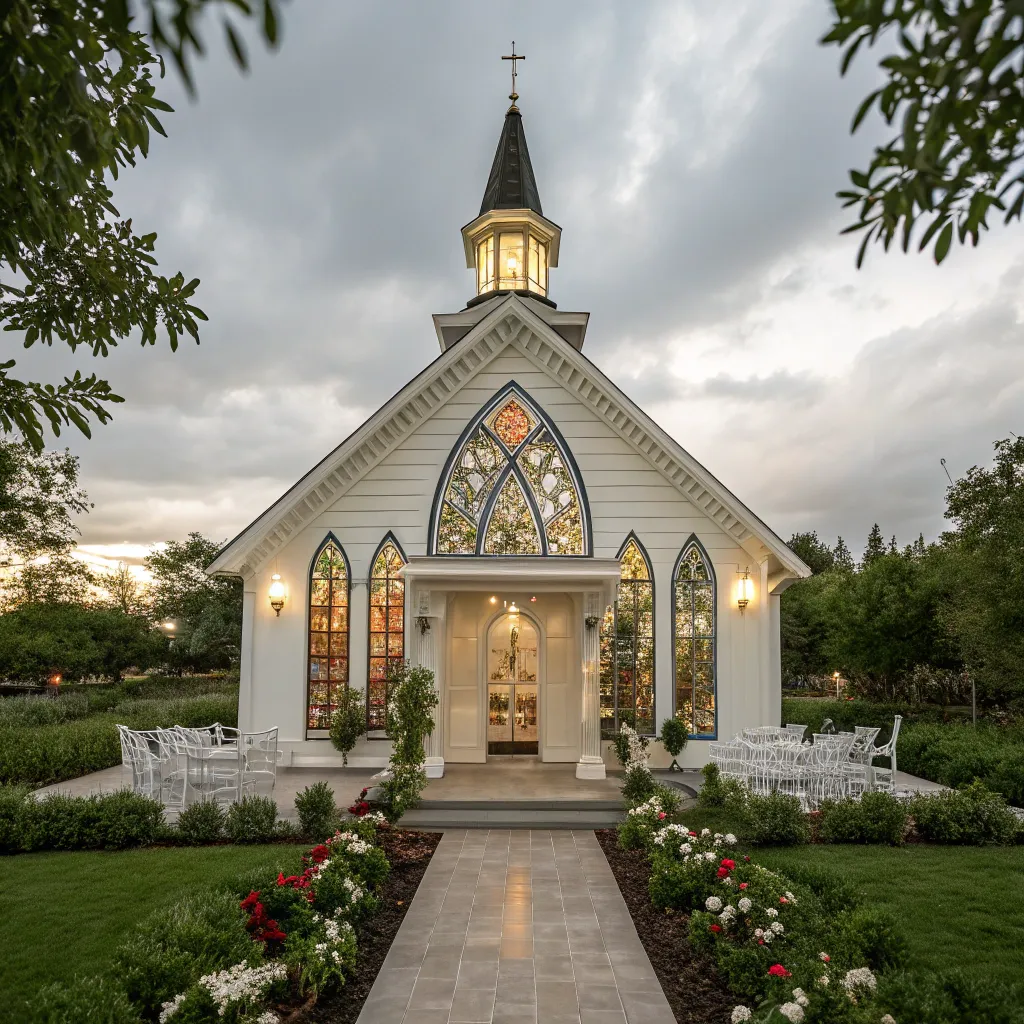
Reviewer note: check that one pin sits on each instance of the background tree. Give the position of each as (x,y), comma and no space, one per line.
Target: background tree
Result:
(954,82)
(78,103)
(207,611)
(58,579)
(875,547)
(816,554)
(124,590)
(984,572)
(39,495)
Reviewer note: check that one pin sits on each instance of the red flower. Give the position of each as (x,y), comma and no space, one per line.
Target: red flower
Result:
(743,885)
(723,872)
(362,793)
(730,864)
(778,971)
(782,899)
(760,942)
(747,859)
(250,901)
(694,834)
(661,814)
(359,808)
(319,853)
(716,928)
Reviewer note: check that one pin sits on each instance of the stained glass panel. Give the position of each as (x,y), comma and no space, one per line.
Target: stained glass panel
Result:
(627,649)
(512,423)
(694,634)
(548,490)
(387,636)
(511,530)
(328,635)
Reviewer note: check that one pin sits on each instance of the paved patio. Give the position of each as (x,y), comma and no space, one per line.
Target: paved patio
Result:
(517,928)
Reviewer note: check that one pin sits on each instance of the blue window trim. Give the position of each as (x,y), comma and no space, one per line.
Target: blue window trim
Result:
(694,542)
(329,539)
(544,423)
(388,538)
(632,536)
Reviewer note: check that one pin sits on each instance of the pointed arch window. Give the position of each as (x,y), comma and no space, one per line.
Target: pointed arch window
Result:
(387,628)
(694,628)
(510,487)
(329,588)
(627,646)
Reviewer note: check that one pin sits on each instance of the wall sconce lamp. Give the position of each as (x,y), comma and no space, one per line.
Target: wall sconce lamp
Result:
(745,590)
(277,594)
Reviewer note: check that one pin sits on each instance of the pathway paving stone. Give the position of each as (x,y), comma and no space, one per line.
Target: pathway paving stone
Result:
(517,927)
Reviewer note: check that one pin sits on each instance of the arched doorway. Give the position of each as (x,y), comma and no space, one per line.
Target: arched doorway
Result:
(513,702)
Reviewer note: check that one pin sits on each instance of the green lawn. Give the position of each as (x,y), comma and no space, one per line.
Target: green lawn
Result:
(65,913)
(958,906)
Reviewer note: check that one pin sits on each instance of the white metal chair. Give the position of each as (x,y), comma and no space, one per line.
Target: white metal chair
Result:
(258,759)
(885,778)
(797,732)
(211,773)
(142,762)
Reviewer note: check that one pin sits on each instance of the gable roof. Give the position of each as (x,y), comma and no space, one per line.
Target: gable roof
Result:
(511,322)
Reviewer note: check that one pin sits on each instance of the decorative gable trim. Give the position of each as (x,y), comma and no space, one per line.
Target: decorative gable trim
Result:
(511,322)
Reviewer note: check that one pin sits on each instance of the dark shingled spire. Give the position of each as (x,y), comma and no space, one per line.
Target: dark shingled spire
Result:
(511,184)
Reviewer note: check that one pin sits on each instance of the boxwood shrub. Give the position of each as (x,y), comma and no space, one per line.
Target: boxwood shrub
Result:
(875,818)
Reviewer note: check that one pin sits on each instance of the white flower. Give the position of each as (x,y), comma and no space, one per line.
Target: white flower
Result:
(791,898)
(888,1019)
(268,1017)
(777,927)
(168,1010)
(705,832)
(710,857)
(772,912)
(768,936)
(730,839)
(824,956)
(823,981)
(686,848)
(727,914)
(713,903)
(858,977)
(740,1014)
(800,997)
(241,982)
(793,1012)
(758,933)
(745,905)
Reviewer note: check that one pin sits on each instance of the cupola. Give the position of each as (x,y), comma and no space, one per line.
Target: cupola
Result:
(511,245)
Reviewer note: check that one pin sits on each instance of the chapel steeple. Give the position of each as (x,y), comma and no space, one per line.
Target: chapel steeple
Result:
(511,244)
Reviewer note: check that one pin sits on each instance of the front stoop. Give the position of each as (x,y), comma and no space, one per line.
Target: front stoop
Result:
(538,814)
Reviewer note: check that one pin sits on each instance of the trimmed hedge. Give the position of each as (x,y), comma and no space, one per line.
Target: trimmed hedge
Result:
(44,754)
(848,713)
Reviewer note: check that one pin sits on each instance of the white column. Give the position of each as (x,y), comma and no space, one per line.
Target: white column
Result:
(425,627)
(591,764)
(246,717)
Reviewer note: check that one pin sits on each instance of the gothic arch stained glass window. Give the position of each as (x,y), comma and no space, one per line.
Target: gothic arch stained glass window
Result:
(510,487)
(387,628)
(329,585)
(627,647)
(694,629)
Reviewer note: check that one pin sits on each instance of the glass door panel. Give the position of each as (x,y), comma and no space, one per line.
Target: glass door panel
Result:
(499,718)
(512,693)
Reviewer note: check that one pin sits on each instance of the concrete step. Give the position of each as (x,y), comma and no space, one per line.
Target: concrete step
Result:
(498,818)
(523,805)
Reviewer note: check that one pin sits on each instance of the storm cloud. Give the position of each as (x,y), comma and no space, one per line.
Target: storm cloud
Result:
(691,152)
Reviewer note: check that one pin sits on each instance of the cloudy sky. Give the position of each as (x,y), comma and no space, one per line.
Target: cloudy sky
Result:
(690,149)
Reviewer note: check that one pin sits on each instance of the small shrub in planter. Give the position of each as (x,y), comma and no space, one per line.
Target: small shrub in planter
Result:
(98,1000)
(712,793)
(674,735)
(775,820)
(348,722)
(253,819)
(318,813)
(875,818)
(971,816)
(201,823)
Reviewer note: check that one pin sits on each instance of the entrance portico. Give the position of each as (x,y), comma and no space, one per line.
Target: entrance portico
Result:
(511,639)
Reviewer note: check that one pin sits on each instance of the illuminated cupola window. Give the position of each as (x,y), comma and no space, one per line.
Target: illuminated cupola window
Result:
(511,245)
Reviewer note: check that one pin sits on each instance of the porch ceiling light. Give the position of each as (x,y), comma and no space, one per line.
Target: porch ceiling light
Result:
(745,589)
(276,593)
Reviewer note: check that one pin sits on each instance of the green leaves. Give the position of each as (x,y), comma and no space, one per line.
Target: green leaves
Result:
(956,81)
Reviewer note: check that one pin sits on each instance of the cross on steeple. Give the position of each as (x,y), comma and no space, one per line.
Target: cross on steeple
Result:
(513,95)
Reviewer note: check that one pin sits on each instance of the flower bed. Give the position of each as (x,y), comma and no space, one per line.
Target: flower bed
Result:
(266,950)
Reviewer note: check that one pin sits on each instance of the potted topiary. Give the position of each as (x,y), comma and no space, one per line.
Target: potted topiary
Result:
(673,739)
(348,722)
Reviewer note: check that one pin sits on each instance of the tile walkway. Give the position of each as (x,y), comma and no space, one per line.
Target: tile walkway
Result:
(517,927)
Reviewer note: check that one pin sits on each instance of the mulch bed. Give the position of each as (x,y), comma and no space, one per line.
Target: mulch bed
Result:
(409,854)
(694,991)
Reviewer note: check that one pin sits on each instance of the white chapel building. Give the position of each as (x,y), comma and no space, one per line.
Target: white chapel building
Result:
(511,520)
